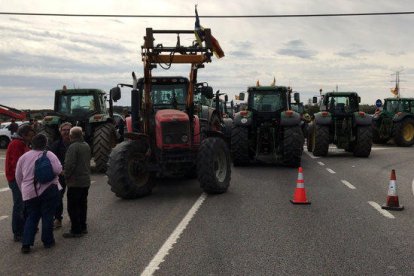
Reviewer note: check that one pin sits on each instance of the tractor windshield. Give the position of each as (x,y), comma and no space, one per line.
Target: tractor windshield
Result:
(342,104)
(267,101)
(397,106)
(74,104)
(169,95)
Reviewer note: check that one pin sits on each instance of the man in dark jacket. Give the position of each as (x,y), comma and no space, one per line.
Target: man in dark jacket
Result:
(78,180)
(59,148)
(16,148)
(13,126)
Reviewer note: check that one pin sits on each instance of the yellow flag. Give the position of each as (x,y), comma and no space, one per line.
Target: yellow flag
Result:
(257,83)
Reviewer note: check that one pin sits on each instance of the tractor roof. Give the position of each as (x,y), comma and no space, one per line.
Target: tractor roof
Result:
(399,99)
(266,88)
(80,91)
(339,94)
(160,80)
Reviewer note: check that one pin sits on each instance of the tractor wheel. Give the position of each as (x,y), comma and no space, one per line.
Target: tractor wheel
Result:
(240,146)
(50,132)
(309,138)
(404,133)
(127,170)
(363,144)
(292,146)
(4,142)
(320,140)
(104,139)
(213,165)
(376,137)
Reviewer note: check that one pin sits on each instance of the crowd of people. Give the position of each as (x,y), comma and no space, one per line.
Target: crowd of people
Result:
(69,158)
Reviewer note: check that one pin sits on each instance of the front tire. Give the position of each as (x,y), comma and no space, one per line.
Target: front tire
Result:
(404,132)
(292,146)
(127,170)
(363,144)
(320,141)
(240,145)
(213,165)
(104,139)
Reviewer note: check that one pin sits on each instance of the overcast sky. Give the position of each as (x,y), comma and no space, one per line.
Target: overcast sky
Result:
(41,54)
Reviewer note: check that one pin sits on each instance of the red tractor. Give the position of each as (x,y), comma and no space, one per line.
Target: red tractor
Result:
(164,136)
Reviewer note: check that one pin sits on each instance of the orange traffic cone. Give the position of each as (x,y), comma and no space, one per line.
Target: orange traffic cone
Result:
(392,197)
(300,194)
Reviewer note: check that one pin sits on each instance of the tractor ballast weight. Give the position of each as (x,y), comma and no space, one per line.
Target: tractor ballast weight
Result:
(395,121)
(165,133)
(85,108)
(340,122)
(267,128)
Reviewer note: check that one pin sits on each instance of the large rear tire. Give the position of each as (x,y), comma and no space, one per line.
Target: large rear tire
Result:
(292,146)
(364,141)
(104,139)
(213,165)
(127,170)
(240,145)
(320,141)
(404,132)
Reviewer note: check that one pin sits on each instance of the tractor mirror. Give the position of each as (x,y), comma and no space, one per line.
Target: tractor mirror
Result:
(359,99)
(207,91)
(115,93)
(314,100)
(241,96)
(296,97)
(226,98)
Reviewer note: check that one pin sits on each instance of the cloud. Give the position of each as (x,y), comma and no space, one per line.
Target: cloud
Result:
(354,51)
(297,48)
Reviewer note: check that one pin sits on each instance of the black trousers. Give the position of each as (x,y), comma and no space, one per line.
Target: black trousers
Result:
(77,208)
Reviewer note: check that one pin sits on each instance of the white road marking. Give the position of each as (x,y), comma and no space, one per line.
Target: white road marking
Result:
(172,239)
(310,154)
(383,212)
(2,173)
(349,185)
(412,186)
(3,217)
(331,171)
(4,189)
(2,158)
(320,163)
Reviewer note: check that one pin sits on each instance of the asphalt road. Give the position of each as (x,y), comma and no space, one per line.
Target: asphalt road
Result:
(253,229)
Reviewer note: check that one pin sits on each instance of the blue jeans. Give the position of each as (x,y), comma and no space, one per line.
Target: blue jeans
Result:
(18,208)
(44,206)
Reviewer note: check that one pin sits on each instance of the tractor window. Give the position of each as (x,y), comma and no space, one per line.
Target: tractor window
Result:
(393,106)
(267,102)
(168,94)
(73,104)
(342,104)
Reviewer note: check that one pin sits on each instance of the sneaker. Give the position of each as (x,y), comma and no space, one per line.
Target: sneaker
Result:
(26,249)
(50,245)
(57,224)
(72,235)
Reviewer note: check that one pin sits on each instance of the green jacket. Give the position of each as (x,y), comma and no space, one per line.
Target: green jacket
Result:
(78,164)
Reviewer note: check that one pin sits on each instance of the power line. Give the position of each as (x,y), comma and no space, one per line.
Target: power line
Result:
(209,16)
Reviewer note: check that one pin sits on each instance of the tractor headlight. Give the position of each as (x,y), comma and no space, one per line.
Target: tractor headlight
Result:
(184,138)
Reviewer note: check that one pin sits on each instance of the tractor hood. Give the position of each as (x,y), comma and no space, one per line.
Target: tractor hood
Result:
(170,115)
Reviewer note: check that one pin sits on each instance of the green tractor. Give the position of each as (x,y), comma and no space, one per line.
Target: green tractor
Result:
(85,108)
(340,122)
(394,121)
(266,128)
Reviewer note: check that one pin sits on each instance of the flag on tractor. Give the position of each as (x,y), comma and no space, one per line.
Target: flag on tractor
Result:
(200,36)
(394,91)
(273,84)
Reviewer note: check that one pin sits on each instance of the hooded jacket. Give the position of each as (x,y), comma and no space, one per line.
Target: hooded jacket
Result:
(16,148)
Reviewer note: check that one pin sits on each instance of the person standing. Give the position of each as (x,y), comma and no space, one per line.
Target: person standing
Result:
(13,127)
(40,199)
(16,148)
(78,181)
(59,148)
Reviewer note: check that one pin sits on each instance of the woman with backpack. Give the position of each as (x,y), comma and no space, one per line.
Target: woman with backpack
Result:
(37,178)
